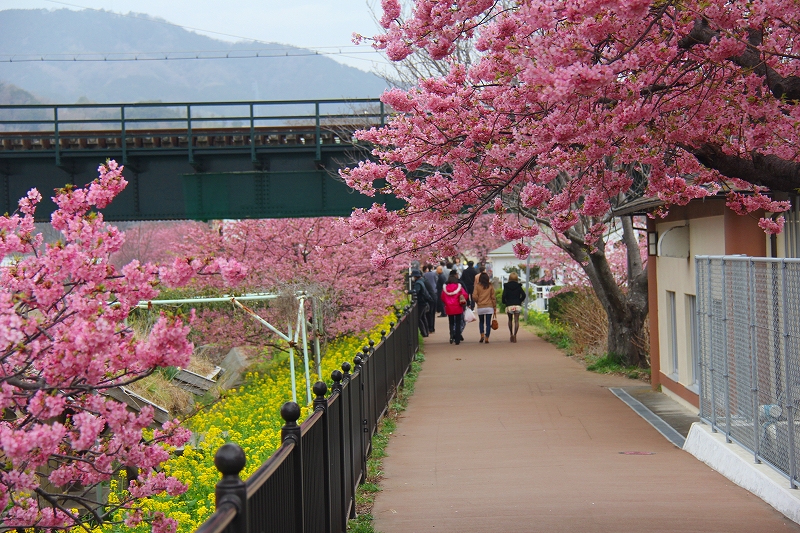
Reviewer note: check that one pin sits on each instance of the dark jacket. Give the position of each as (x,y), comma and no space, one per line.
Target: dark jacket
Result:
(468,277)
(441,281)
(430,281)
(513,293)
(421,290)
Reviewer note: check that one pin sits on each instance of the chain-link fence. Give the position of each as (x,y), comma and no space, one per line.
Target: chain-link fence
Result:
(748,317)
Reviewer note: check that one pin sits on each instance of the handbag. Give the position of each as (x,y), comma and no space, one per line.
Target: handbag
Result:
(495,324)
(469,316)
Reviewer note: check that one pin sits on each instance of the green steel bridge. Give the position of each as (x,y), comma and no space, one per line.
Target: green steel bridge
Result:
(200,161)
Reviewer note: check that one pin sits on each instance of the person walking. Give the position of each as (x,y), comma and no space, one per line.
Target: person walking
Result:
(430,280)
(424,300)
(513,296)
(454,298)
(485,300)
(468,277)
(441,280)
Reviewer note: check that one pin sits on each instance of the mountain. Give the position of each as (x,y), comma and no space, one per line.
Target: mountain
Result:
(11,94)
(28,32)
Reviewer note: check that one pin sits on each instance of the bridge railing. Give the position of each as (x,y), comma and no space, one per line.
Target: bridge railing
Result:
(309,483)
(185,126)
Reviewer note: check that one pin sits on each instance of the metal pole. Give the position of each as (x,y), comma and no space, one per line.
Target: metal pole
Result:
(527,285)
(726,370)
(123,131)
(787,368)
(711,368)
(754,370)
(56,137)
(252,136)
(189,133)
(302,324)
(264,322)
(244,298)
(291,364)
(317,330)
(318,137)
(383,114)
(698,312)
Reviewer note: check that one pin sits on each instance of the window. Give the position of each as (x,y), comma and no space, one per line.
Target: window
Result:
(673,332)
(694,347)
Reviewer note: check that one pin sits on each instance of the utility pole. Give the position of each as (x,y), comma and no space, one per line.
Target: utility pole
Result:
(527,284)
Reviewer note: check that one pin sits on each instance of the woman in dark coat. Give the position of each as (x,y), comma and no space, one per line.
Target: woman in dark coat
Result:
(513,296)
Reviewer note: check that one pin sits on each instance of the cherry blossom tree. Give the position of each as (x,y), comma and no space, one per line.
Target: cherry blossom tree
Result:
(574,109)
(316,255)
(151,242)
(63,344)
(479,239)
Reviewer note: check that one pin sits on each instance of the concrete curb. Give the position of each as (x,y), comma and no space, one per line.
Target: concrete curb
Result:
(736,464)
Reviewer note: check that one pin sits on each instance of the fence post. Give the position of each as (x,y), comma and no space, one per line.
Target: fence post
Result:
(787,377)
(751,278)
(337,377)
(230,460)
(726,362)
(358,362)
(253,158)
(290,412)
(321,404)
(124,134)
(711,367)
(56,138)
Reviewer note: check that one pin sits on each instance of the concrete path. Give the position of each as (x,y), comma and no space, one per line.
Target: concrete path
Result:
(519,438)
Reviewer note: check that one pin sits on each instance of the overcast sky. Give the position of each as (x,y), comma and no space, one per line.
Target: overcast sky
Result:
(327,25)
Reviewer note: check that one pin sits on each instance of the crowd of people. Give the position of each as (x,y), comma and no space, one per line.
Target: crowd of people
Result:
(464,294)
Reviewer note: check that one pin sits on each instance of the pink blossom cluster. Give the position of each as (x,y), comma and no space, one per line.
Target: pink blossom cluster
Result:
(63,344)
(318,255)
(563,98)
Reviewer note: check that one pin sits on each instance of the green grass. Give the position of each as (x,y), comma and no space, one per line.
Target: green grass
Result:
(612,364)
(365,495)
(550,330)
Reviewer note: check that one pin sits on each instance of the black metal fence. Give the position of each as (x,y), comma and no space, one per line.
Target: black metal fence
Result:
(309,483)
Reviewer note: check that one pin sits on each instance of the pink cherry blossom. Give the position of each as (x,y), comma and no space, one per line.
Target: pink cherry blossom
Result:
(64,344)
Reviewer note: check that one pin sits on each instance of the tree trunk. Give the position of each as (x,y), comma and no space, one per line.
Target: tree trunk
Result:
(626,309)
(626,338)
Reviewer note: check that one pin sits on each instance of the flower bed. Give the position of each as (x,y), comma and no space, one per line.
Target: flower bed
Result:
(249,416)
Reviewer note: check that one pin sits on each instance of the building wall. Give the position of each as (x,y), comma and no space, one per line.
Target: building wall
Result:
(677,275)
(713,230)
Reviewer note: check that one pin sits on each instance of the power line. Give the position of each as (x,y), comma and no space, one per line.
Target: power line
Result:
(117,57)
(158,21)
(192,55)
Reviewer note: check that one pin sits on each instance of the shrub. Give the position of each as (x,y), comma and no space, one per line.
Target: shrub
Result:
(557,302)
(586,319)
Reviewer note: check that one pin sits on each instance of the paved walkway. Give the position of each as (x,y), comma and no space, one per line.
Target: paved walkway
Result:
(518,438)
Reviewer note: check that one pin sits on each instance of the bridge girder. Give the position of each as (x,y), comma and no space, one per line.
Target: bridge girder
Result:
(254,164)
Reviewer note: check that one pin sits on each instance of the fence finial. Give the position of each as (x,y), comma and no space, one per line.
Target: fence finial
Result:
(336,376)
(346,377)
(320,403)
(230,459)
(358,361)
(290,412)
